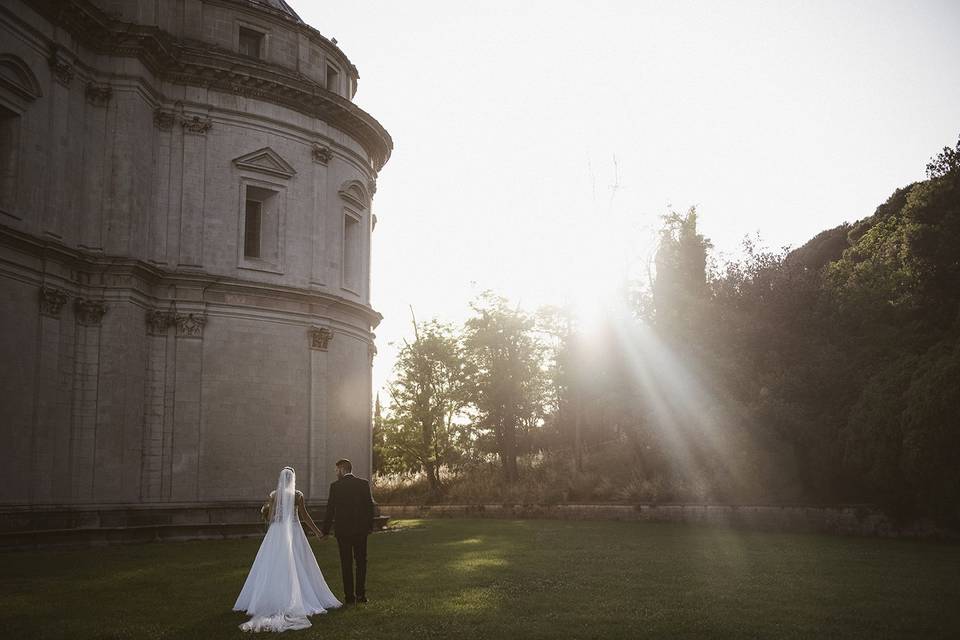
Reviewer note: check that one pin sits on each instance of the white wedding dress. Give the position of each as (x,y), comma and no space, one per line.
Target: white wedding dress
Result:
(285,584)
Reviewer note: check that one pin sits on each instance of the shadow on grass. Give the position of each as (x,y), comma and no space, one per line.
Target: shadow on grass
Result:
(490,579)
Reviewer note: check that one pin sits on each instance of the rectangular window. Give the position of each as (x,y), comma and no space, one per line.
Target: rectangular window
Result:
(9,157)
(251,43)
(333,79)
(252,227)
(351,252)
(260,228)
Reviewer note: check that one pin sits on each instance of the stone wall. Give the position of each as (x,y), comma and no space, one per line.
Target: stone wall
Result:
(146,358)
(841,520)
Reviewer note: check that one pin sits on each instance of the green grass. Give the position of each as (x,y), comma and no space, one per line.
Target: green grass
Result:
(512,579)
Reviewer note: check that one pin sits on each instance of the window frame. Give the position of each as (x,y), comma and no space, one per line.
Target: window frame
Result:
(272,226)
(356,218)
(336,76)
(254,28)
(10,184)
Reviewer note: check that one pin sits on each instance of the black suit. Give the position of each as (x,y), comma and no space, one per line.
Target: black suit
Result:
(350,512)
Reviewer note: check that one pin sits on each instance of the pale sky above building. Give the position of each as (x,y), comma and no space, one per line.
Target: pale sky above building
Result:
(537,143)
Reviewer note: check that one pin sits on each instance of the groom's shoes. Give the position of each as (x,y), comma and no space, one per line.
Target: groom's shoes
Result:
(362,599)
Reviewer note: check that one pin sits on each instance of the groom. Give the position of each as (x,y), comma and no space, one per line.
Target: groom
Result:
(350,510)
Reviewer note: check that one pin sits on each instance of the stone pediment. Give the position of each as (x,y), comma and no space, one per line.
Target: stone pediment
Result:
(267,161)
(17,77)
(354,192)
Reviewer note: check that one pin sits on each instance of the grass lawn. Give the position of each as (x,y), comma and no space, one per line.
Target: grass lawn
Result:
(511,579)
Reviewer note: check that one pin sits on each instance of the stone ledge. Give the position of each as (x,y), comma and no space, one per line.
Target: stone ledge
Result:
(855,520)
(104,517)
(25,527)
(16,540)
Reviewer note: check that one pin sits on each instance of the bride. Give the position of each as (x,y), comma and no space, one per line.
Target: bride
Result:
(285,584)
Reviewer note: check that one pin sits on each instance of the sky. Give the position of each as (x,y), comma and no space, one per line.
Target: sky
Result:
(537,144)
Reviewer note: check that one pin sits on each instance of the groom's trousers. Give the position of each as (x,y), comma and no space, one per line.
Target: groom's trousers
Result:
(353,548)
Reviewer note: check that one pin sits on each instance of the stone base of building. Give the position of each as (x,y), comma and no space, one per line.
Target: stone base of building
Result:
(43,527)
(33,527)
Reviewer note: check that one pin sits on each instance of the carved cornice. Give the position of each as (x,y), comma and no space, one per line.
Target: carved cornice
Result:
(320,338)
(164,119)
(89,312)
(196,125)
(211,67)
(321,154)
(98,94)
(159,322)
(190,325)
(51,301)
(150,277)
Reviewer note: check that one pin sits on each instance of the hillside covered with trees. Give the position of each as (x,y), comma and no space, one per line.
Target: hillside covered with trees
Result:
(825,374)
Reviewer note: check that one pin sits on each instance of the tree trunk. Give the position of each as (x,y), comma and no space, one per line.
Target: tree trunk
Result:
(509,455)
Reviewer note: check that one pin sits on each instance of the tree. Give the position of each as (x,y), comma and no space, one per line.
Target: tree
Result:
(947,161)
(379,439)
(507,389)
(427,399)
(680,284)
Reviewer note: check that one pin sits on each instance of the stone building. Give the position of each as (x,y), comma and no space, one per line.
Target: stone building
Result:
(185,232)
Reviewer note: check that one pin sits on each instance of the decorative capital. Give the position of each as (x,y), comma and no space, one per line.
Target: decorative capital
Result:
(321,154)
(164,119)
(51,301)
(89,312)
(196,124)
(159,321)
(61,68)
(320,338)
(190,325)
(99,94)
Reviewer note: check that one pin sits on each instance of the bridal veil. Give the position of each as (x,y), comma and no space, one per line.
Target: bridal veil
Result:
(285,584)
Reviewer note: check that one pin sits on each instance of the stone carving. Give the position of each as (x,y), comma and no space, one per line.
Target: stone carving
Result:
(196,124)
(51,301)
(200,66)
(164,119)
(320,338)
(372,186)
(190,325)
(61,68)
(355,192)
(321,154)
(371,352)
(99,94)
(159,321)
(89,312)
(266,160)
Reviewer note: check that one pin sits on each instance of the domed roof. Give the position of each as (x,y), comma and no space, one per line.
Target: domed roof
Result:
(277,6)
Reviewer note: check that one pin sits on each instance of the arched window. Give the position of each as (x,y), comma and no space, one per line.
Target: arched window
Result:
(18,89)
(356,202)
